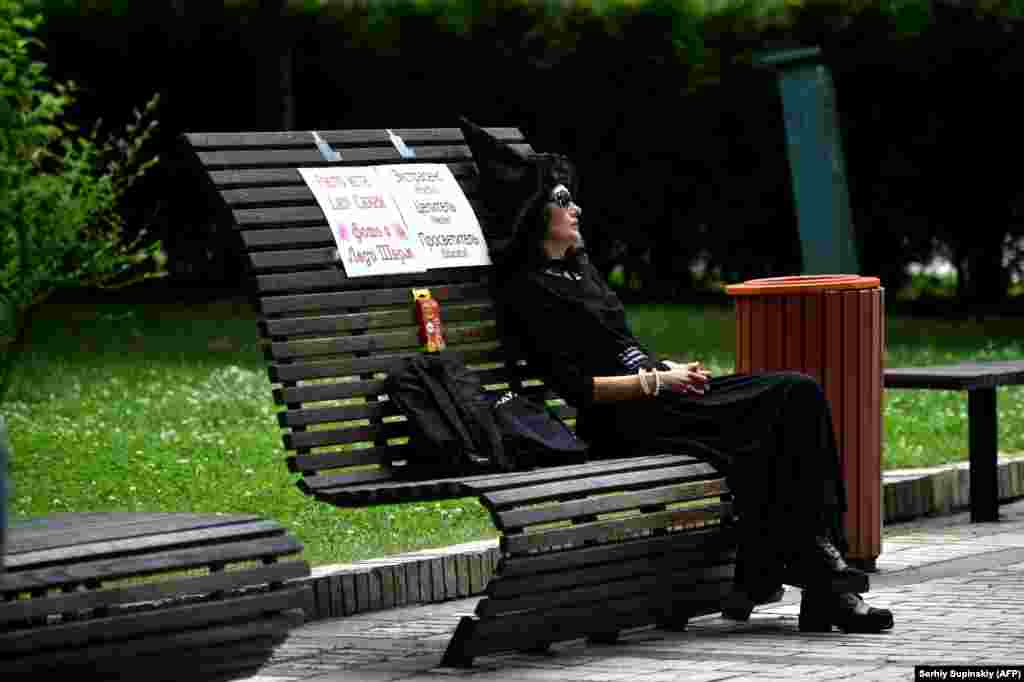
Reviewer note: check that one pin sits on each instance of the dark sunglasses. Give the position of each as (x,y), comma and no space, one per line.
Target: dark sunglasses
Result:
(561,197)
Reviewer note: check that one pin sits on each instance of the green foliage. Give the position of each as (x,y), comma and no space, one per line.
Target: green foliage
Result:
(59,189)
(167,408)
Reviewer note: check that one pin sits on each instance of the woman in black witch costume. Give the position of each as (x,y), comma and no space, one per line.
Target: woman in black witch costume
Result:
(770,434)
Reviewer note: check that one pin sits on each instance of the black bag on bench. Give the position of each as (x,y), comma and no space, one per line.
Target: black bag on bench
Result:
(533,437)
(452,428)
(457,429)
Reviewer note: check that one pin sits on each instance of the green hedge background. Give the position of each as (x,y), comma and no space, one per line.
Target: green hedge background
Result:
(680,140)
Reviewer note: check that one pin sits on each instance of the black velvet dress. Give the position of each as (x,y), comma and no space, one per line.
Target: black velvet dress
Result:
(770,434)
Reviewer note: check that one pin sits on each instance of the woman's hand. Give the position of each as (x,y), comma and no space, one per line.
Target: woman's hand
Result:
(692,377)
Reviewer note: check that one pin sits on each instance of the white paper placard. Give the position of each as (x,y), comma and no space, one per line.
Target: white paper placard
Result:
(366,224)
(437,212)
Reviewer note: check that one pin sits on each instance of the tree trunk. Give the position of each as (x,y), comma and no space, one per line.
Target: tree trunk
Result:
(273,33)
(287,65)
(987,280)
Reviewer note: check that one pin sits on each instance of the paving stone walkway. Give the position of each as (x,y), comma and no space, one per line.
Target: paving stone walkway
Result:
(956,589)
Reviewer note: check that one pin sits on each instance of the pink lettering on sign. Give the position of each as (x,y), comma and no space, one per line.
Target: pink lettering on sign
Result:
(343,232)
(361,232)
(330,181)
(373,201)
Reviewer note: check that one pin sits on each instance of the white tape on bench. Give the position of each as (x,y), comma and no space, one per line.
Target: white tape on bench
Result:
(400,145)
(326,150)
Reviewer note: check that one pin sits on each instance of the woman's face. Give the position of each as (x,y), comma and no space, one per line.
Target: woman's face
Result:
(563,220)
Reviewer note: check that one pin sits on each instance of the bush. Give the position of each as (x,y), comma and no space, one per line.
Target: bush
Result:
(59,189)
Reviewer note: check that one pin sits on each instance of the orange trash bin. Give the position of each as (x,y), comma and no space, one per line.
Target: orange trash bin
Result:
(832,328)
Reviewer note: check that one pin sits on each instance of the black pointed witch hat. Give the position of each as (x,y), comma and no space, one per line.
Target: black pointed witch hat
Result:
(514,186)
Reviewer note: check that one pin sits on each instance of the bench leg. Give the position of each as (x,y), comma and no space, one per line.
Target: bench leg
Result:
(455,655)
(982,437)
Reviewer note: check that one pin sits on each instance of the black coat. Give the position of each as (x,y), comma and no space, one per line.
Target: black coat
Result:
(771,434)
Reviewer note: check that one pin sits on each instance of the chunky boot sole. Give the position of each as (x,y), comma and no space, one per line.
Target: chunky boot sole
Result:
(822,614)
(738,606)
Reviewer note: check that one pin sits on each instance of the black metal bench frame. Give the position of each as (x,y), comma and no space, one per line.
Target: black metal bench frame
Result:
(587,550)
(980,380)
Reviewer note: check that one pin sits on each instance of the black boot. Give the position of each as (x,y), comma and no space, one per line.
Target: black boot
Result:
(817,565)
(819,611)
(738,604)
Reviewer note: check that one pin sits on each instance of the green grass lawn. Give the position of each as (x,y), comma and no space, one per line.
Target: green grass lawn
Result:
(168,408)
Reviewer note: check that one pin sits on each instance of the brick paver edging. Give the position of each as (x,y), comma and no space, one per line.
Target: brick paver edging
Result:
(462,571)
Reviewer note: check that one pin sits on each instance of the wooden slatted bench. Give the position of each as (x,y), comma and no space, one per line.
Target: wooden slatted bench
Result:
(587,549)
(155,596)
(980,380)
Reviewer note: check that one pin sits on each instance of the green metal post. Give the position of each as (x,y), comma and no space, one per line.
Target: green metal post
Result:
(816,160)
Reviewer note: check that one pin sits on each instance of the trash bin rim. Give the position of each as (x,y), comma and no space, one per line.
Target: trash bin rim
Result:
(801,284)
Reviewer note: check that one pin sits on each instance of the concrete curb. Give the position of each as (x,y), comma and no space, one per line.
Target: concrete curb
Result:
(461,571)
(912,493)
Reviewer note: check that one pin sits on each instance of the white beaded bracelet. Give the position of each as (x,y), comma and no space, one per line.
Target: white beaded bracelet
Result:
(657,382)
(644,386)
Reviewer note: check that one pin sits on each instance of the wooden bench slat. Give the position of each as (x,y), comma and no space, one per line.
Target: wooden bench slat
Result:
(490,485)
(477,485)
(340,137)
(342,436)
(25,609)
(452,289)
(310,157)
(369,388)
(191,615)
(650,558)
(321,461)
(288,189)
(611,529)
(619,481)
(141,540)
(340,413)
(145,564)
(391,492)
(312,281)
(653,579)
(231,178)
(297,193)
(48,533)
(347,344)
(702,542)
(168,656)
(344,367)
(320,257)
(274,285)
(378,319)
(291,237)
(567,510)
(323,484)
(337,390)
(377,341)
(306,214)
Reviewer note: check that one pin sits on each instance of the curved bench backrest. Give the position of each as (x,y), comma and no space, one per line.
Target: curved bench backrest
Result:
(331,340)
